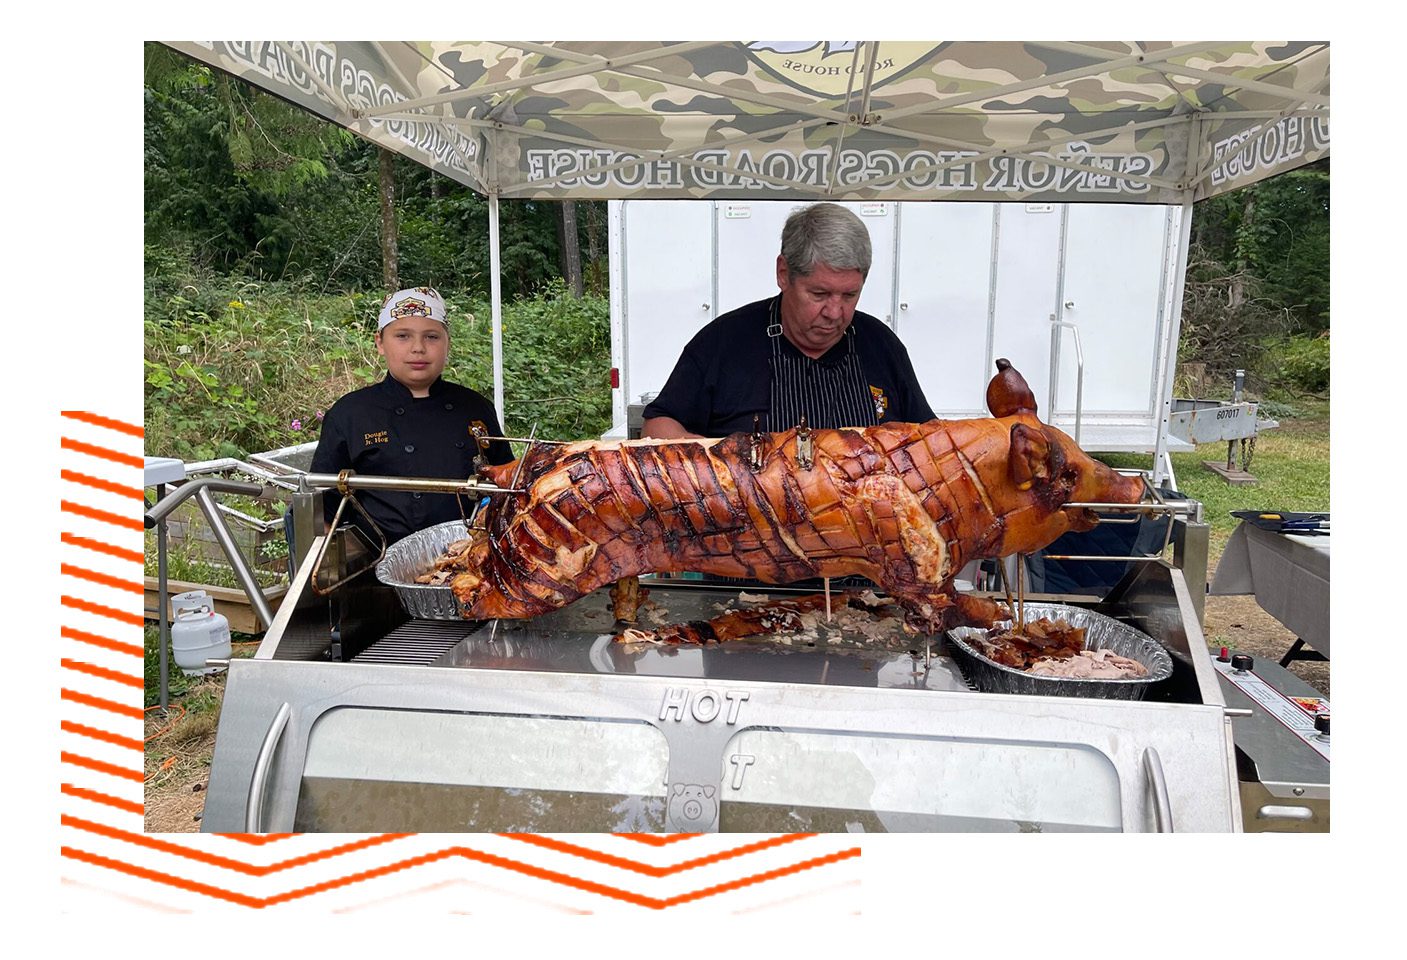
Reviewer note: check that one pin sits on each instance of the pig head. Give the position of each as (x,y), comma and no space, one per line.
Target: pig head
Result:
(1030,470)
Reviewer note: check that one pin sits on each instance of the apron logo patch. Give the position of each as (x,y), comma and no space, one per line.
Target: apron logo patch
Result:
(380,436)
(881,402)
(480,431)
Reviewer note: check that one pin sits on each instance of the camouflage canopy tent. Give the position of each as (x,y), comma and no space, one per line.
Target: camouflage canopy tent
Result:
(1104,121)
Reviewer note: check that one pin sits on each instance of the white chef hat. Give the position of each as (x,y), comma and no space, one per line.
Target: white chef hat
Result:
(412,302)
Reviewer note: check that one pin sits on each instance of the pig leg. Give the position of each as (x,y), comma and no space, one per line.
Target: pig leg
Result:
(973,611)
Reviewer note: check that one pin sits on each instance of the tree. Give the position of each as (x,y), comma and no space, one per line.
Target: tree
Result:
(570,247)
(390,259)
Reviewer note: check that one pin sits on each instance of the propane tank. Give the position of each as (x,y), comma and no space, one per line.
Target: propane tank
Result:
(198,633)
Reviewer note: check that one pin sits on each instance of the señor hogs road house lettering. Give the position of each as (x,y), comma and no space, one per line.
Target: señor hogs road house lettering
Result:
(1100,173)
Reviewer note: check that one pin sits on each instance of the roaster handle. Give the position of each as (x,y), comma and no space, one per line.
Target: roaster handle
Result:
(201,490)
(185,491)
(1162,807)
(254,810)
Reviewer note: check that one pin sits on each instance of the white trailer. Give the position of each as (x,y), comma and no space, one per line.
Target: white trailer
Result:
(1080,297)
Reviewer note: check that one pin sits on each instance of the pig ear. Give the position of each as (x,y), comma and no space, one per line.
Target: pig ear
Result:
(1008,393)
(1029,458)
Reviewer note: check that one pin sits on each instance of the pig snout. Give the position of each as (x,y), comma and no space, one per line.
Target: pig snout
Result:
(1100,483)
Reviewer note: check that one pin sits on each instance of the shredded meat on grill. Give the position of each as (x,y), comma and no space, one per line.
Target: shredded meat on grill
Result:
(775,617)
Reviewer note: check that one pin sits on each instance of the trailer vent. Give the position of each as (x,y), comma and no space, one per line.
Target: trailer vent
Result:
(419,642)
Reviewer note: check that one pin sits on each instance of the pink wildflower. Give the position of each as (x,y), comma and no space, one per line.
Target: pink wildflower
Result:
(296,424)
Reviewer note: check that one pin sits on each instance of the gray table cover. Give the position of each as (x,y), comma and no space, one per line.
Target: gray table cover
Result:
(1288,574)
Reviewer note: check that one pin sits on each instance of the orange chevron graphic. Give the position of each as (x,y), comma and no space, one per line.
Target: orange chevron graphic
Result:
(112,706)
(256,839)
(83,793)
(650,870)
(98,483)
(771,905)
(123,897)
(479,856)
(97,545)
(122,426)
(93,639)
(181,848)
(466,885)
(227,863)
(656,840)
(135,619)
(117,519)
(96,671)
(103,453)
(92,576)
(68,726)
(98,766)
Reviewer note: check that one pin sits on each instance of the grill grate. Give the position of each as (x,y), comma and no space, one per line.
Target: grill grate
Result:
(419,642)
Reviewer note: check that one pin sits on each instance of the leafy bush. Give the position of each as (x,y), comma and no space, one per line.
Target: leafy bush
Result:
(1300,363)
(1278,410)
(556,363)
(235,366)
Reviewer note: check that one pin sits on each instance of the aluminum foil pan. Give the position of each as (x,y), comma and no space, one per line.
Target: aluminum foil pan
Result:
(410,557)
(1101,633)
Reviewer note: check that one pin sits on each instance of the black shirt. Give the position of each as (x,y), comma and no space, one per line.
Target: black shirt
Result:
(724,376)
(381,430)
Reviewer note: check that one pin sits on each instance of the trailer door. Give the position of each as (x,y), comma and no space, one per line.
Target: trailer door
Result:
(944,288)
(750,238)
(1025,291)
(1114,279)
(668,282)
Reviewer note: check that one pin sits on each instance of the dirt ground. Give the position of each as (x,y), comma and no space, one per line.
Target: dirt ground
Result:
(1242,626)
(178,761)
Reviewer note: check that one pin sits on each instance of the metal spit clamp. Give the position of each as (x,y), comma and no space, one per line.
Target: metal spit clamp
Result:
(805,453)
(756,445)
(318,587)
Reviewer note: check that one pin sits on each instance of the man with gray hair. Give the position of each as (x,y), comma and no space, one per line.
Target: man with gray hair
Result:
(803,353)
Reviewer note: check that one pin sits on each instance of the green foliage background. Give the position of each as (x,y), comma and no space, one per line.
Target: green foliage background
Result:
(263,277)
(237,366)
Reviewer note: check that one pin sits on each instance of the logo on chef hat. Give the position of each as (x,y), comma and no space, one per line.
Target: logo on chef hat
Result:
(412,302)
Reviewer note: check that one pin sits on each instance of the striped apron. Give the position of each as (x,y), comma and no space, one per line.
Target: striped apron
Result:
(828,396)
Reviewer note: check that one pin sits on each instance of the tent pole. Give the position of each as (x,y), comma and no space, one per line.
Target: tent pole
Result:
(1162,459)
(496,293)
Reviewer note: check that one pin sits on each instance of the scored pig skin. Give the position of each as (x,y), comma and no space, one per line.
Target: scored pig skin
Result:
(903,504)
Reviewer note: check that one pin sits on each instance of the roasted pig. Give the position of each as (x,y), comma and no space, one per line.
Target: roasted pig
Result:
(903,504)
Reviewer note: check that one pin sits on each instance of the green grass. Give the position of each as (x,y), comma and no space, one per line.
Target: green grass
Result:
(1290,464)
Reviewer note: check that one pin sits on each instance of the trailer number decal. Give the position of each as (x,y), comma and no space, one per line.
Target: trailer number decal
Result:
(703,705)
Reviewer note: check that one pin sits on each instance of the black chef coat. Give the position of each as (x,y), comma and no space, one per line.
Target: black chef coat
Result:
(729,371)
(381,430)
